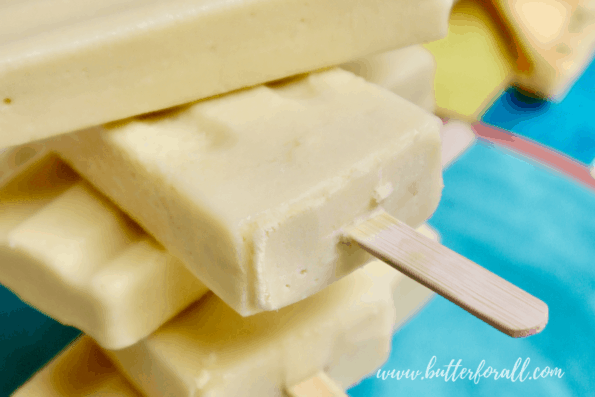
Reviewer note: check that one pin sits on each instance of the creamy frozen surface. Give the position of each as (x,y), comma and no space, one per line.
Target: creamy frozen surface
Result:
(209,350)
(357,335)
(408,72)
(252,189)
(69,252)
(67,65)
(82,370)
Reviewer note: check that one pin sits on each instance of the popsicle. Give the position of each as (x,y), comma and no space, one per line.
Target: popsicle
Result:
(408,72)
(344,330)
(556,42)
(264,213)
(69,252)
(474,61)
(82,370)
(252,189)
(66,66)
(73,255)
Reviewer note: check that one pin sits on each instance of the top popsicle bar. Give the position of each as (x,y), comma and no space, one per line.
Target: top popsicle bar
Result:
(67,65)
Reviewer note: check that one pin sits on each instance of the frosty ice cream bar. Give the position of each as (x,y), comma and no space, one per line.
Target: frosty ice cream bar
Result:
(72,254)
(345,331)
(556,39)
(251,190)
(66,66)
(209,350)
(408,72)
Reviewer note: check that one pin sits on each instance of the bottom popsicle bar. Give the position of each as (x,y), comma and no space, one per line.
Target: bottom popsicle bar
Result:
(345,331)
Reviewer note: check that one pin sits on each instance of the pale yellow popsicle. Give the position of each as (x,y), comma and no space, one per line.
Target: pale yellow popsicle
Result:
(72,254)
(251,190)
(408,72)
(474,64)
(68,65)
(354,348)
(556,37)
(209,350)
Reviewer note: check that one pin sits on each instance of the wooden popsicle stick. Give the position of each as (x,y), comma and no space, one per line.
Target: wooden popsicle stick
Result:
(319,385)
(463,282)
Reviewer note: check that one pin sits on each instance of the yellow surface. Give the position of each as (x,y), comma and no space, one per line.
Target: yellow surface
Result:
(474,63)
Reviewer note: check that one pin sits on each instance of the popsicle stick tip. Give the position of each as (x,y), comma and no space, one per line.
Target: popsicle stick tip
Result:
(319,385)
(523,333)
(485,295)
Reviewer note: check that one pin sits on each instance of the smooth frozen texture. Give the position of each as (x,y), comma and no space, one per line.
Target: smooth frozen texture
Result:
(82,370)
(67,251)
(408,72)
(209,350)
(251,190)
(474,64)
(555,37)
(68,65)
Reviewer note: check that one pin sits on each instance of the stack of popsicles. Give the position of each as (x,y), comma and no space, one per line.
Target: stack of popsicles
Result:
(217,247)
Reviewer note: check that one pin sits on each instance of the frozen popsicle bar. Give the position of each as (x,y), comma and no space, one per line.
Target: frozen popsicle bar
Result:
(555,37)
(252,189)
(209,350)
(82,370)
(65,66)
(474,64)
(70,253)
(408,72)
(41,226)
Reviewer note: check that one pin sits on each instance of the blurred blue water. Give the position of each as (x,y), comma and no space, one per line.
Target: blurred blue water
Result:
(534,228)
(568,126)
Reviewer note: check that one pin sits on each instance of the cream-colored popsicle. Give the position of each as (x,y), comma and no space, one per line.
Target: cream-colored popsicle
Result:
(408,72)
(73,255)
(82,370)
(65,66)
(251,190)
(556,37)
(209,350)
